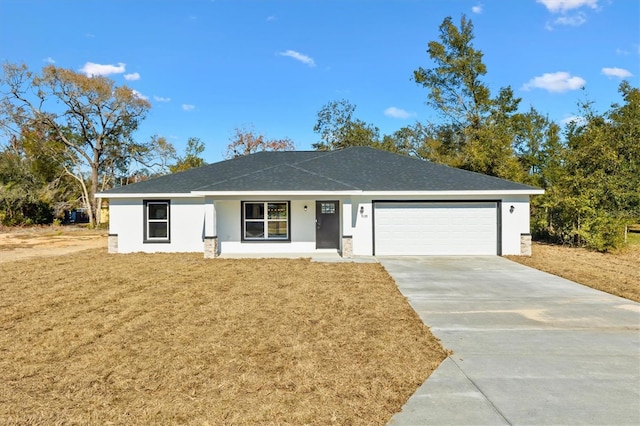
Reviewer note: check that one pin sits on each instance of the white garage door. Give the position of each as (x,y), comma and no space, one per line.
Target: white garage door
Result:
(469,228)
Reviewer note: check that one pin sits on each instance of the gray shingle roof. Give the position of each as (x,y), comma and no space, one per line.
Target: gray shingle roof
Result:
(350,169)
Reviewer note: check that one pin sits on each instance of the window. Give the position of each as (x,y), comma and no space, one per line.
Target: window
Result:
(327,208)
(263,221)
(156,221)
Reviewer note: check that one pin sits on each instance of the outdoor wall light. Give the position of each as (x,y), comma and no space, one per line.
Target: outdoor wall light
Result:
(511,209)
(361,209)
(305,208)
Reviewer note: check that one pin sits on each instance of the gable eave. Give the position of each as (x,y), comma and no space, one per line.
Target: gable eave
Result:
(156,195)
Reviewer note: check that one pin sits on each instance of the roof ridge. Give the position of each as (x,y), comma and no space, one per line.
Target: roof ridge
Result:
(323,176)
(239,176)
(320,154)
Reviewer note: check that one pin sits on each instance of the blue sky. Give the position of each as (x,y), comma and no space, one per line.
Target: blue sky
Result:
(210,66)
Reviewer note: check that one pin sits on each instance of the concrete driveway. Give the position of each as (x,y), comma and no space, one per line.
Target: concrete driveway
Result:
(528,347)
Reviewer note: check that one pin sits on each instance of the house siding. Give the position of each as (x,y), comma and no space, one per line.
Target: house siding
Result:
(302,232)
(514,224)
(186,221)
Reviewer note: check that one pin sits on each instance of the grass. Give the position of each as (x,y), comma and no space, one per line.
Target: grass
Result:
(177,339)
(633,239)
(615,273)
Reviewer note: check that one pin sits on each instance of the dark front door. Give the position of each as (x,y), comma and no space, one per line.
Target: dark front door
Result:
(328,224)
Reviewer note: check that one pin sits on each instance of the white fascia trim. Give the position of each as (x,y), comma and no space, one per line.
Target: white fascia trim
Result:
(271,193)
(201,194)
(453,193)
(148,195)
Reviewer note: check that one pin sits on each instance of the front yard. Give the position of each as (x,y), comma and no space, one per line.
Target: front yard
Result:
(614,273)
(177,339)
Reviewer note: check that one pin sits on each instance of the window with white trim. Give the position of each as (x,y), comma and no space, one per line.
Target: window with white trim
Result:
(156,221)
(265,221)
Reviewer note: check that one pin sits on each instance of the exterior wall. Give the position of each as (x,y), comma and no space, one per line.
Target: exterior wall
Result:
(362,226)
(229,224)
(186,223)
(190,217)
(514,223)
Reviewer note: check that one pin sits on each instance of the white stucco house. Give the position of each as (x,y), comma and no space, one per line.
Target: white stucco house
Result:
(357,202)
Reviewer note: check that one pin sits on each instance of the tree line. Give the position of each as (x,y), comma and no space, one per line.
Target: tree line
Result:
(590,170)
(71,136)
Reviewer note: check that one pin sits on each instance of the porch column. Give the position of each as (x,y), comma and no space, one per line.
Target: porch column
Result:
(347,229)
(210,230)
(525,244)
(112,244)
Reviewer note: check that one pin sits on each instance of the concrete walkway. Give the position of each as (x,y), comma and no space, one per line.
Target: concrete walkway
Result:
(528,348)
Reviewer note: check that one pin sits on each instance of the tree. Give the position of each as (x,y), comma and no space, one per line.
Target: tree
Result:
(592,180)
(602,173)
(34,188)
(245,141)
(455,89)
(192,158)
(478,131)
(91,118)
(338,129)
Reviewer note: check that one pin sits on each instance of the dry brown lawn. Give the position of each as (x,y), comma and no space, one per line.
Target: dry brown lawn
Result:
(614,273)
(32,242)
(91,338)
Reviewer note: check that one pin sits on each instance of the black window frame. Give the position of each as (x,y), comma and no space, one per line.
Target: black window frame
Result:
(265,238)
(146,221)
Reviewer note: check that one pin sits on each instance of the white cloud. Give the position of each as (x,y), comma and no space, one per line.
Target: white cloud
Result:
(622,52)
(132,77)
(271,18)
(299,57)
(187,107)
(557,82)
(616,72)
(477,9)
(574,119)
(397,113)
(561,6)
(139,95)
(161,99)
(564,7)
(571,20)
(91,69)
(49,60)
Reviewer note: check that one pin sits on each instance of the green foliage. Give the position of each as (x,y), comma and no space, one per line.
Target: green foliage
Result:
(23,195)
(338,129)
(593,181)
(455,89)
(478,132)
(85,122)
(192,158)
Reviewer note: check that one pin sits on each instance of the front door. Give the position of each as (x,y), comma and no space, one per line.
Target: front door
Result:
(328,224)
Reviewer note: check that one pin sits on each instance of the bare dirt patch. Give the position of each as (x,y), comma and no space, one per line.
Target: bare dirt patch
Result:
(177,339)
(33,242)
(615,273)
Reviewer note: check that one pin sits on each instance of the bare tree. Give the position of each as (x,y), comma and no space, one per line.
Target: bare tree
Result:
(245,141)
(91,118)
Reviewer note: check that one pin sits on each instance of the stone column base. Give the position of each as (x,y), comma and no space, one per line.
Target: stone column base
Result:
(347,246)
(210,247)
(112,244)
(525,244)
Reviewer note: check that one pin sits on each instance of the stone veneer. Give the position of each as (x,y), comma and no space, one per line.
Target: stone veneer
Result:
(210,247)
(112,243)
(525,244)
(347,246)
